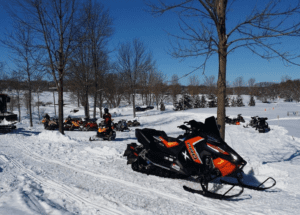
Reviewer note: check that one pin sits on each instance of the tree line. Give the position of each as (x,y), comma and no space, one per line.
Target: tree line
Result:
(68,40)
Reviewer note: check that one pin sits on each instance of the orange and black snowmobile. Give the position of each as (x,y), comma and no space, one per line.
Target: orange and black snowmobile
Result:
(72,123)
(104,133)
(88,125)
(199,155)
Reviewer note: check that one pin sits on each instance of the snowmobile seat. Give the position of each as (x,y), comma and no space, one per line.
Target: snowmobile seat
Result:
(148,137)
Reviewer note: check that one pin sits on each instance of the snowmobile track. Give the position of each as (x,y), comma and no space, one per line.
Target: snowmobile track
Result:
(58,187)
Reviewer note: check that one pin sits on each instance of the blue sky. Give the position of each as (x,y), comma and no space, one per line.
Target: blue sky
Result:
(131,21)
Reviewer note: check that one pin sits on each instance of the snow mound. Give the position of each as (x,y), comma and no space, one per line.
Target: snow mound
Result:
(55,136)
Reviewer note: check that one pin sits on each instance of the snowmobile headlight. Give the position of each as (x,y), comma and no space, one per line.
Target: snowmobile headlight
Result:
(234,157)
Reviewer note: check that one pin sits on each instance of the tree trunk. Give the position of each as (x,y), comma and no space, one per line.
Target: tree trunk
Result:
(38,105)
(221,113)
(221,91)
(61,104)
(19,107)
(133,103)
(78,101)
(95,103)
(100,104)
(29,104)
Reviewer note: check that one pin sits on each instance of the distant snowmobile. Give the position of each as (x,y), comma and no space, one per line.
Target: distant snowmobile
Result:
(104,133)
(259,123)
(7,119)
(121,126)
(262,126)
(133,123)
(234,121)
(200,153)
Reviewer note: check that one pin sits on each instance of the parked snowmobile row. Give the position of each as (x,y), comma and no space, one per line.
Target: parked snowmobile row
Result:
(259,123)
(200,154)
(104,133)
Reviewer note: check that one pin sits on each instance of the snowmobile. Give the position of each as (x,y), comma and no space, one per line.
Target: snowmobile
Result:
(200,155)
(7,119)
(122,126)
(88,125)
(72,123)
(50,124)
(7,126)
(103,133)
(252,122)
(133,123)
(262,126)
(234,121)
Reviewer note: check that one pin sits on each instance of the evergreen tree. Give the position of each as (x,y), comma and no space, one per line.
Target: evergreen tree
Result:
(197,103)
(227,101)
(203,102)
(252,101)
(233,102)
(213,102)
(239,101)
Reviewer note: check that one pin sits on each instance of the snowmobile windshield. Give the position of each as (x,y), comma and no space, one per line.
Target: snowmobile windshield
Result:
(212,128)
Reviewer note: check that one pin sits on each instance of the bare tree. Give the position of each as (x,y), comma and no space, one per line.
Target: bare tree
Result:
(98,29)
(238,84)
(203,24)
(160,88)
(54,22)
(133,60)
(251,82)
(193,86)
(25,55)
(175,88)
(285,78)
(210,83)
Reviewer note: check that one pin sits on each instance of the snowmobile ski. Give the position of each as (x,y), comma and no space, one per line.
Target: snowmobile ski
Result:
(258,188)
(212,195)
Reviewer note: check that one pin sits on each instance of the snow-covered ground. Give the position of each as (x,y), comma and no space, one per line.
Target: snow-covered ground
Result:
(44,172)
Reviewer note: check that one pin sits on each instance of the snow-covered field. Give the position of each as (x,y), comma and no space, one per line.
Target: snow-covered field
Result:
(44,172)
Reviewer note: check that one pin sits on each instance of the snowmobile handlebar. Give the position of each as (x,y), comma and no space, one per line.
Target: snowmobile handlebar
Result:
(262,118)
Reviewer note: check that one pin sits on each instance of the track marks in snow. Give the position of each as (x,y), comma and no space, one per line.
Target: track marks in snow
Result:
(60,188)
(132,189)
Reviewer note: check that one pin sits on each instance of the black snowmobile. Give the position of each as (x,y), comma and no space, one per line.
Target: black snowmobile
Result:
(133,123)
(234,121)
(262,126)
(121,126)
(200,155)
(252,122)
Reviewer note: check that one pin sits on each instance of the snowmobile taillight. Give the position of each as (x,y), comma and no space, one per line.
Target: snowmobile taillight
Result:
(135,154)
(132,147)
(168,144)
(217,149)
(224,166)
(237,123)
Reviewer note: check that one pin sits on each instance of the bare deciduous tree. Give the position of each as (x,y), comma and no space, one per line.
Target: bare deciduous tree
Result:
(205,33)
(133,60)
(54,22)
(25,55)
